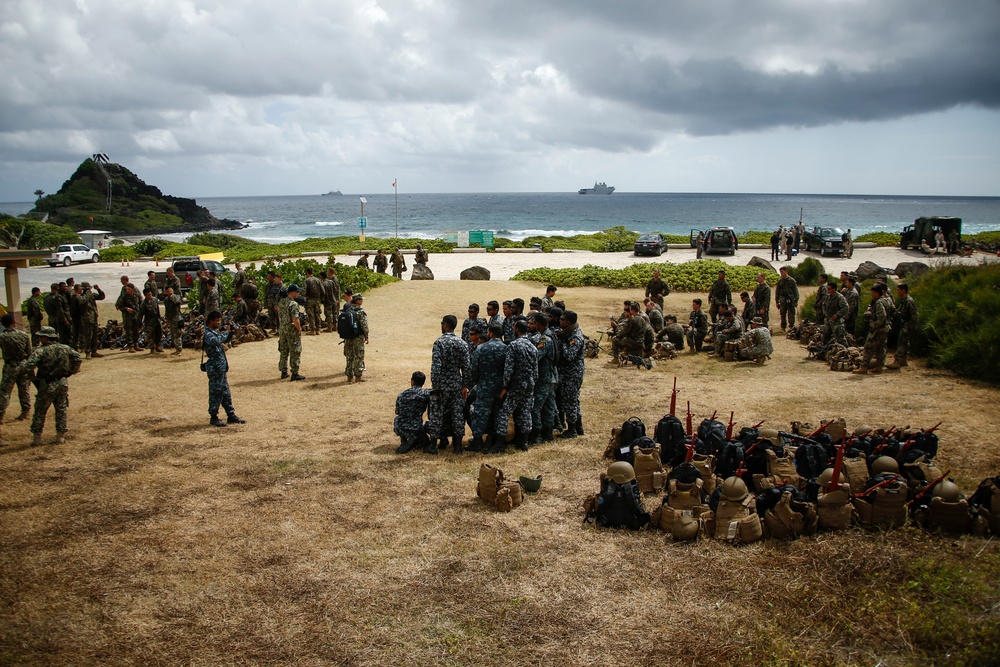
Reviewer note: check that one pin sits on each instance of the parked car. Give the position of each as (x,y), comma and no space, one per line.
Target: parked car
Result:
(924,229)
(650,244)
(75,252)
(719,240)
(187,268)
(825,240)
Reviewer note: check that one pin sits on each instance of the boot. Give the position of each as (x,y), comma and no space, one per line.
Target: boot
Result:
(521,441)
(350,379)
(217,422)
(536,437)
(296,377)
(175,353)
(456,444)
(568,433)
(36,440)
(475,444)
(547,435)
(284,375)
(21,417)
(896,365)
(133,349)
(360,379)
(60,438)
(233,419)
(405,444)
(863,370)
(499,444)
(96,355)
(579,426)
(876,370)
(442,444)
(432,447)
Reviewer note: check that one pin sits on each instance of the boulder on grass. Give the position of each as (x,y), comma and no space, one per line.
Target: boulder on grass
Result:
(868,270)
(421,272)
(911,269)
(761,263)
(475,273)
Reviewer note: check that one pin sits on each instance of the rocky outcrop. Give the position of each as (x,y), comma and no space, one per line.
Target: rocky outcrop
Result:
(421,272)
(475,273)
(911,269)
(761,263)
(868,270)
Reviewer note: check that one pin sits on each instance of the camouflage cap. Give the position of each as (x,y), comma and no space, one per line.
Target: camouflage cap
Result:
(358,297)
(47,332)
(85,285)
(757,320)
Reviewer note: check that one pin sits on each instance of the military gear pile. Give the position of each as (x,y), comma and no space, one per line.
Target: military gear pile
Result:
(113,336)
(500,494)
(783,485)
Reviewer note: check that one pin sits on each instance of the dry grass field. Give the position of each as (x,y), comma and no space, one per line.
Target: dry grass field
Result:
(151,538)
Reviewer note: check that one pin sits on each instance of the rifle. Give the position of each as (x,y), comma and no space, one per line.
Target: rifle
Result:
(689,418)
(885,440)
(822,428)
(714,412)
(922,494)
(838,464)
(886,482)
(758,424)
(638,361)
(673,398)
(729,427)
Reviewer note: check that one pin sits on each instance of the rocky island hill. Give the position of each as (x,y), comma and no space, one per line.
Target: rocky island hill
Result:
(129,206)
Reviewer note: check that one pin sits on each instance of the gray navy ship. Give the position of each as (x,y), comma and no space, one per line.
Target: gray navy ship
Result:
(598,189)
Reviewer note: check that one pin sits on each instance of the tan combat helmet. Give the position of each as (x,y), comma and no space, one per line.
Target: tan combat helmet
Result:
(827,475)
(883,465)
(685,528)
(734,489)
(947,491)
(862,431)
(621,472)
(770,434)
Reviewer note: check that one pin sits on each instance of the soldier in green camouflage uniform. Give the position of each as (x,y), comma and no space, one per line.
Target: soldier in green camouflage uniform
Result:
(289,335)
(697,327)
(879,325)
(760,347)
(314,302)
(172,310)
(719,294)
(354,348)
(762,298)
(331,299)
(672,332)
(16,347)
(64,324)
(88,319)
(821,299)
(836,311)
(907,312)
(655,316)
(35,313)
(128,304)
(172,281)
(657,288)
(212,296)
(787,296)
(732,330)
(53,363)
(149,311)
(850,293)
(631,336)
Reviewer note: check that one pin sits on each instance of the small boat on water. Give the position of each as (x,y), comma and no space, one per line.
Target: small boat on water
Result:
(598,189)
(338,193)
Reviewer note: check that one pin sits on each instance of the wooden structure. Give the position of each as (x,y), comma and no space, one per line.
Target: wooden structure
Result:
(12,260)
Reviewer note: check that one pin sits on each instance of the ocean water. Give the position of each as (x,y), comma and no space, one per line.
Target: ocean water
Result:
(519,215)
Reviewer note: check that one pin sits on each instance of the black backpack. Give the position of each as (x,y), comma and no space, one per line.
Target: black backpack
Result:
(771,497)
(632,430)
(347,324)
(619,505)
(730,459)
(712,433)
(811,458)
(927,443)
(671,436)
(686,473)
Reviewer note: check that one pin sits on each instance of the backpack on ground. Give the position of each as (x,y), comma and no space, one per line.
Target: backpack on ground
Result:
(500,494)
(347,324)
(712,435)
(632,430)
(617,506)
(648,468)
(730,459)
(671,436)
(884,502)
(790,517)
(986,503)
(810,459)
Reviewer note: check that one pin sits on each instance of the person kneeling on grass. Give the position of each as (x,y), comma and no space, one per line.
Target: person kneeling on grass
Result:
(410,407)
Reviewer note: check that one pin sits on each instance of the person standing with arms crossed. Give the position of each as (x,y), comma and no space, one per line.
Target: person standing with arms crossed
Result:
(217,366)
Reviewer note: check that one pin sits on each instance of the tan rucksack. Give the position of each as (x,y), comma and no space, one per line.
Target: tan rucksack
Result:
(780,471)
(855,472)
(500,494)
(737,522)
(681,496)
(791,518)
(835,509)
(649,470)
(883,506)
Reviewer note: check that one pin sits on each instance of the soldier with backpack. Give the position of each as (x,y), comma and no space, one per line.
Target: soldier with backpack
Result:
(879,325)
(354,345)
(52,364)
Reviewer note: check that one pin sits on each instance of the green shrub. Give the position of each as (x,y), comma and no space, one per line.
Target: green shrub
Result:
(118,253)
(149,247)
(754,236)
(223,241)
(881,239)
(696,276)
(959,310)
(807,272)
(116,242)
(337,245)
(183,249)
(294,271)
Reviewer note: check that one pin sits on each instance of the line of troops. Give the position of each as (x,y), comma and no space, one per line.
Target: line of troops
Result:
(526,366)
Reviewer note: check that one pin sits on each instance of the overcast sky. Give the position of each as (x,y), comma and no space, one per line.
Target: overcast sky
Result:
(257,97)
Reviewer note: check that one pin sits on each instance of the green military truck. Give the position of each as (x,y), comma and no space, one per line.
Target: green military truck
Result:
(924,229)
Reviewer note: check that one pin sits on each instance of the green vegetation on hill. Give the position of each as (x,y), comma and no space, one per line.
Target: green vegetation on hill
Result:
(31,234)
(696,276)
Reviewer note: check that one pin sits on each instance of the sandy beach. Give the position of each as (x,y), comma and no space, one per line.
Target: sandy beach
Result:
(504,265)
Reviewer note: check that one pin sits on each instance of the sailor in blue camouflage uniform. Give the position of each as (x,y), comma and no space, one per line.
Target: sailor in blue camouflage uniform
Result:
(216,366)
(571,368)
(450,373)
(487,378)
(493,311)
(52,363)
(410,407)
(472,320)
(508,321)
(16,347)
(520,371)
(543,414)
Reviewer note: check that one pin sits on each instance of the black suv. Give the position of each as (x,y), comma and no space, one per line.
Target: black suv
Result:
(718,240)
(826,240)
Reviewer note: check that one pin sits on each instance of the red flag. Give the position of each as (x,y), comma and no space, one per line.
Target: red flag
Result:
(393,182)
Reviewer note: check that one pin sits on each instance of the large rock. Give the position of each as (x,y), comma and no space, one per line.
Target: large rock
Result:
(761,263)
(475,273)
(868,270)
(911,269)
(421,272)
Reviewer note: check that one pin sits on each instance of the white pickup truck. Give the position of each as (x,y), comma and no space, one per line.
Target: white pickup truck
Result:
(76,252)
